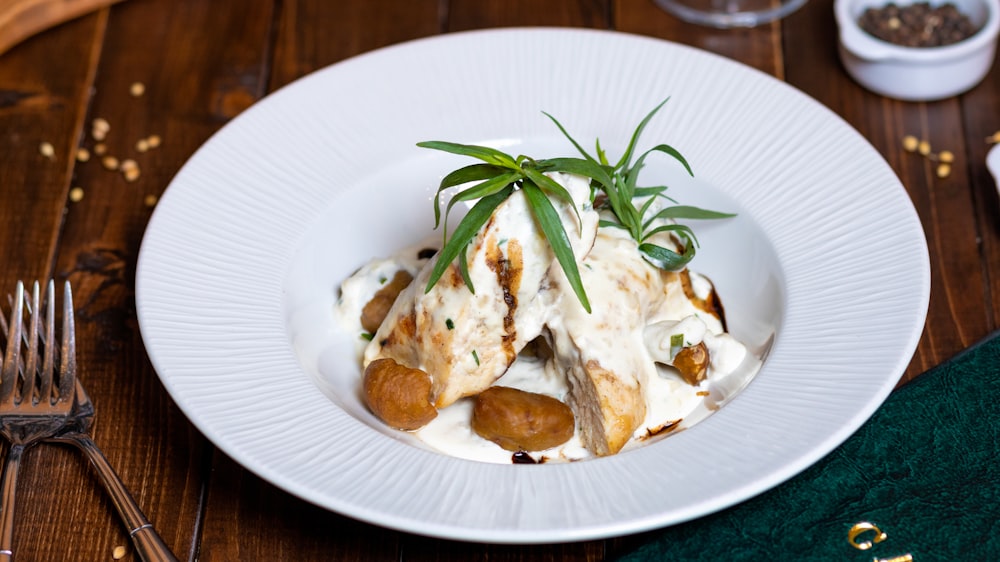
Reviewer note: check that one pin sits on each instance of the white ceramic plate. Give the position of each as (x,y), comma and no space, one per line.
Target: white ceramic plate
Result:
(240,263)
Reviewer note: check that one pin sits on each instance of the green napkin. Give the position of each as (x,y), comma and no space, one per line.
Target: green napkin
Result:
(924,469)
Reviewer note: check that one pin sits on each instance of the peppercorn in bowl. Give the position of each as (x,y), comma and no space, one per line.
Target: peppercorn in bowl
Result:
(918,51)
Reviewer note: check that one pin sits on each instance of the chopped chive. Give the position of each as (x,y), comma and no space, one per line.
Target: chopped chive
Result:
(676,344)
(367,336)
(449,324)
(475,356)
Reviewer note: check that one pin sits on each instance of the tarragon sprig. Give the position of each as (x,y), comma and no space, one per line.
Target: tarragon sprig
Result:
(620,187)
(500,174)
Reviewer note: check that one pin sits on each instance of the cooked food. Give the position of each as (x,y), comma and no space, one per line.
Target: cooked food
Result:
(398,394)
(465,340)
(558,322)
(518,420)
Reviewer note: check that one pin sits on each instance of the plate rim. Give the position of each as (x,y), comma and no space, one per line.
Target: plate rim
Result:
(477,534)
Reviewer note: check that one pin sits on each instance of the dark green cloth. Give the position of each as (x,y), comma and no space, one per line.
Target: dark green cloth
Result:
(924,469)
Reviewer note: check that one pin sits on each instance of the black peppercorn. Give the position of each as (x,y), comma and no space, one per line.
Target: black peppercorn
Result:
(918,25)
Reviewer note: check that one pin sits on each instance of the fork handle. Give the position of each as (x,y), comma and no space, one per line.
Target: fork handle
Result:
(148,544)
(8,487)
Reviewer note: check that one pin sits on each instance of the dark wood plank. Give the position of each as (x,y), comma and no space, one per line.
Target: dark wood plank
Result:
(477,14)
(201,65)
(44,87)
(313,34)
(41,102)
(981,120)
(957,314)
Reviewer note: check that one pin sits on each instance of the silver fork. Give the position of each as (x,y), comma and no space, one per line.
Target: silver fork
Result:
(73,425)
(32,406)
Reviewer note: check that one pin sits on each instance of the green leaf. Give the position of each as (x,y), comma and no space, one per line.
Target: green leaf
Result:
(667,149)
(472,172)
(664,258)
(552,187)
(659,190)
(552,227)
(571,139)
(602,156)
(578,166)
(483,189)
(463,268)
(681,230)
(687,212)
(465,232)
(627,157)
(484,153)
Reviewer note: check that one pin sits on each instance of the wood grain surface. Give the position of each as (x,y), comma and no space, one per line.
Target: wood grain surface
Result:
(202,63)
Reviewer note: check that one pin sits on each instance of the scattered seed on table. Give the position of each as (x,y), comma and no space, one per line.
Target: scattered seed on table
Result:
(110,162)
(943,170)
(924,148)
(76,194)
(137,89)
(946,156)
(47,150)
(150,200)
(100,148)
(142,145)
(153,141)
(82,154)
(910,143)
(130,169)
(99,128)
(994,138)
(118,553)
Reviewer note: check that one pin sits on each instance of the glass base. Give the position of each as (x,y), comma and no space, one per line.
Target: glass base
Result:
(730,13)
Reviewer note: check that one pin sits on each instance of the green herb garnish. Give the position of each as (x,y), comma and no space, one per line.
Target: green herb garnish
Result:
(448,323)
(501,174)
(676,344)
(475,356)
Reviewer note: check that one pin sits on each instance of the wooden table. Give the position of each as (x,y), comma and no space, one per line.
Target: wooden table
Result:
(202,63)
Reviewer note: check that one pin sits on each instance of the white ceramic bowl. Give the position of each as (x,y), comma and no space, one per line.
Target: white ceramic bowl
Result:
(918,73)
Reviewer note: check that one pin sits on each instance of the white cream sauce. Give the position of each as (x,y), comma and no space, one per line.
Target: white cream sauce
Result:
(671,403)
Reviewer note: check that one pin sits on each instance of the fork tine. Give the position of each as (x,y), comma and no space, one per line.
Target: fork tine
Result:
(67,364)
(31,364)
(8,373)
(45,375)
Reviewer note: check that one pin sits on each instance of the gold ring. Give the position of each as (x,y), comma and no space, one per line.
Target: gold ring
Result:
(864,527)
